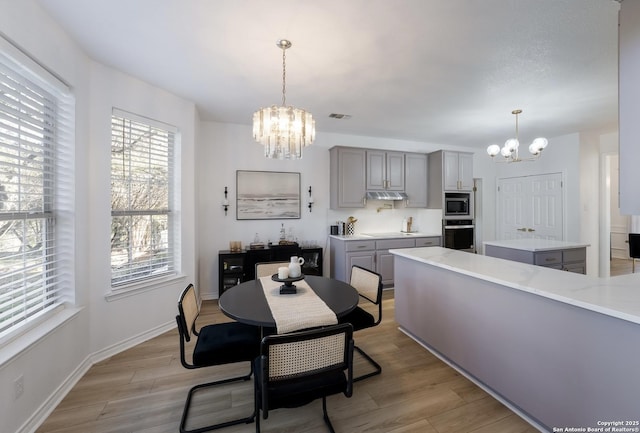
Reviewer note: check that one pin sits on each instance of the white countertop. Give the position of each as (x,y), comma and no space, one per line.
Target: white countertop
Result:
(534,245)
(614,296)
(387,235)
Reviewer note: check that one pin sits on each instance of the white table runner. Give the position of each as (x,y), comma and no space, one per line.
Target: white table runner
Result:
(300,310)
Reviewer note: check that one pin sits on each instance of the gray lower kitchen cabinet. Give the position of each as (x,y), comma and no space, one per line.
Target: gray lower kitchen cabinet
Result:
(570,259)
(432,241)
(371,254)
(364,259)
(346,253)
(347,177)
(384,259)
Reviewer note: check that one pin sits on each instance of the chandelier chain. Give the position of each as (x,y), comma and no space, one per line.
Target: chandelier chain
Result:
(284,76)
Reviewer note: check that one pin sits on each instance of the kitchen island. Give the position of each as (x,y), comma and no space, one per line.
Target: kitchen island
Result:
(558,348)
(563,255)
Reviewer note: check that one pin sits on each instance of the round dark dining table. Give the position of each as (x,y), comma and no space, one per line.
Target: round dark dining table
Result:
(246,302)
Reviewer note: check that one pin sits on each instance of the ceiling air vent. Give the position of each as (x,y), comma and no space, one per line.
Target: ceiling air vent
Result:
(340,116)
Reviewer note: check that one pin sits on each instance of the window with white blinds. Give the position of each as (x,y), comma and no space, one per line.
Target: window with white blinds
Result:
(35,265)
(142,176)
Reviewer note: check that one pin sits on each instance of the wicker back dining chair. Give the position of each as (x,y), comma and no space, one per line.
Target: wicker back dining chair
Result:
(297,368)
(266,269)
(216,344)
(369,286)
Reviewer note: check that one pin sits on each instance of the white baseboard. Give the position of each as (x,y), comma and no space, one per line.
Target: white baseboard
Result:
(40,416)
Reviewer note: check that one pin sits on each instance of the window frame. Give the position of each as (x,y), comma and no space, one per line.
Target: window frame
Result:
(134,285)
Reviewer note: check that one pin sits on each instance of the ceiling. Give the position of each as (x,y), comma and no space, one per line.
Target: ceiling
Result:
(444,72)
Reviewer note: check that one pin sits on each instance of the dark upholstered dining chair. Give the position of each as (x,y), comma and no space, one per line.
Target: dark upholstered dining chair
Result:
(634,249)
(297,368)
(216,344)
(369,286)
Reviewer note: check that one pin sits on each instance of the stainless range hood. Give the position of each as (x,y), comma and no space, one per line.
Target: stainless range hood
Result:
(386,195)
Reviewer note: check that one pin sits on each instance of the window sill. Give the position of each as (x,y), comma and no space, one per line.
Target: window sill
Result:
(142,287)
(27,339)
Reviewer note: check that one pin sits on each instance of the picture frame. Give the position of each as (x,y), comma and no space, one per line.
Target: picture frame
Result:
(266,195)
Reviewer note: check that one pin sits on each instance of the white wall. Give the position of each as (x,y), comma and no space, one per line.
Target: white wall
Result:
(109,89)
(54,361)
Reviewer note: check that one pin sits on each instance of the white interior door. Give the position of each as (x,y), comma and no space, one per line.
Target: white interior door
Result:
(530,207)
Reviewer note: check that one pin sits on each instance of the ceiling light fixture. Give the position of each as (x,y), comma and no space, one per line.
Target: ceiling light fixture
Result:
(510,148)
(283,131)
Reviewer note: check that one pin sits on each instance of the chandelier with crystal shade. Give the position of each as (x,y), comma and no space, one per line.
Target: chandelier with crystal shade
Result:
(283,131)
(510,149)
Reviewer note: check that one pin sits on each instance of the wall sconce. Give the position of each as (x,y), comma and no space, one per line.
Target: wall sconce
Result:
(225,202)
(310,200)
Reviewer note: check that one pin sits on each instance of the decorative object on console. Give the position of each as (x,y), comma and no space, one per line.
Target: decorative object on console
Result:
(256,244)
(310,199)
(267,195)
(510,148)
(225,202)
(351,226)
(283,131)
(235,246)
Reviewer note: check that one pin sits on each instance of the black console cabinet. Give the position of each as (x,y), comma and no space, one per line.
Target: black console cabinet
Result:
(237,267)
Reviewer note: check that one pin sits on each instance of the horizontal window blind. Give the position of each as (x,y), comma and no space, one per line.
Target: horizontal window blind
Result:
(142,229)
(29,263)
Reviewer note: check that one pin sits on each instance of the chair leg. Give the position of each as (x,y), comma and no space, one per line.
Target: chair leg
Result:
(192,391)
(325,415)
(377,371)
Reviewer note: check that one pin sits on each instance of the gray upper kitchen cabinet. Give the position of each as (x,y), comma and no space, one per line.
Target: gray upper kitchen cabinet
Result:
(347,177)
(448,171)
(385,171)
(415,184)
(457,171)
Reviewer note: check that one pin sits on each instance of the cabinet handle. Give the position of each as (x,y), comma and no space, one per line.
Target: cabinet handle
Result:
(531,230)
(522,229)
(361,246)
(549,259)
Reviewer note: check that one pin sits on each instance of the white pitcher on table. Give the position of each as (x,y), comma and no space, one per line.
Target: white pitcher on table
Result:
(295,269)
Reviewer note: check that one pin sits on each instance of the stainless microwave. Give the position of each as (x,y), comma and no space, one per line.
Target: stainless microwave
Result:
(457,205)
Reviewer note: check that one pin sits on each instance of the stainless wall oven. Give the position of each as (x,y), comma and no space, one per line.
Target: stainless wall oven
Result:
(459,234)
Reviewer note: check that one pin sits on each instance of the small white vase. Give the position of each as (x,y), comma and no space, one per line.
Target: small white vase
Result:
(295,269)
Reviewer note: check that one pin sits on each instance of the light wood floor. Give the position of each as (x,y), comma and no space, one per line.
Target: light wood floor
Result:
(143,390)
(622,267)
